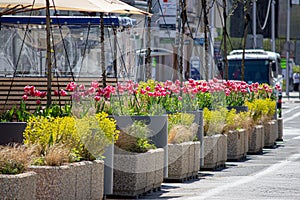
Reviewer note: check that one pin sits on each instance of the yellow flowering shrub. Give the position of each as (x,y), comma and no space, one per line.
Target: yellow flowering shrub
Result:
(85,137)
(214,121)
(262,109)
(236,121)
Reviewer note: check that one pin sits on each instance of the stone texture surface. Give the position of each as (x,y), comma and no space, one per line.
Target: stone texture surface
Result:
(159,167)
(246,141)
(222,149)
(73,181)
(135,174)
(97,179)
(191,155)
(271,133)
(256,140)
(236,144)
(55,182)
(20,186)
(197,152)
(210,144)
(178,160)
(83,180)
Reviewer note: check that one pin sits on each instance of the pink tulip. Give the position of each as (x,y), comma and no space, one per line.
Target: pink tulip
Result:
(63,92)
(56,93)
(97,98)
(24,97)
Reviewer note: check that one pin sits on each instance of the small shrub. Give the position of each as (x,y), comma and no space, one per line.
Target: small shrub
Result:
(181,128)
(236,121)
(134,138)
(13,160)
(214,121)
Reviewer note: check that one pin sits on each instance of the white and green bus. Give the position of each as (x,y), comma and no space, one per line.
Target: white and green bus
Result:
(259,65)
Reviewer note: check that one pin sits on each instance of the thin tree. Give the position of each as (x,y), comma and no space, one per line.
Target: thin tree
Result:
(205,20)
(247,20)
(148,43)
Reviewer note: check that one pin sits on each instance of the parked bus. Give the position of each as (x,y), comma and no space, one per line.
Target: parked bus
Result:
(259,65)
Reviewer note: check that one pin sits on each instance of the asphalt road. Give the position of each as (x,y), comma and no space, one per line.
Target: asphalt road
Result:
(273,175)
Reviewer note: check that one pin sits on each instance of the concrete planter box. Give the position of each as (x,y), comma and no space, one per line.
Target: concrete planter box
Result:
(271,133)
(20,186)
(236,141)
(159,131)
(256,140)
(197,158)
(215,151)
(222,150)
(135,174)
(184,160)
(82,180)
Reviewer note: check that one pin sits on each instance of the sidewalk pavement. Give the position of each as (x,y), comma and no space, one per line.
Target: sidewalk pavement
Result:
(293,97)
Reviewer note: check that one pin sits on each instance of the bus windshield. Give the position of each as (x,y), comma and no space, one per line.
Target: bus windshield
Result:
(255,70)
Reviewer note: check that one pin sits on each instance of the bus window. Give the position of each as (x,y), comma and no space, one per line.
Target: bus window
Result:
(254,71)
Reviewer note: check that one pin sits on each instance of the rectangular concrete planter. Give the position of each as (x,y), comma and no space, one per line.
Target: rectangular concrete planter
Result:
(197,157)
(256,140)
(158,135)
(135,174)
(215,151)
(20,186)
(82,180)
(236,141)
(222,150)
(271,133)
(184,160)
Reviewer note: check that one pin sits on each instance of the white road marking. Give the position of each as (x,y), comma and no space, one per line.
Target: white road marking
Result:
(296,138)
(247,179)
(291,117)
(291,110)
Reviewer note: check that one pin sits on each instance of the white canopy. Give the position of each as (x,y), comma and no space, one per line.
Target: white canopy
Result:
(104,6)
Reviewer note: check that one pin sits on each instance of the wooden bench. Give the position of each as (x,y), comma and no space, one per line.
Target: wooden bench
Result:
(12,89)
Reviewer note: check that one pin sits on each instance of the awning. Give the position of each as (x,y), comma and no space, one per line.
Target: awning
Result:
(103,6)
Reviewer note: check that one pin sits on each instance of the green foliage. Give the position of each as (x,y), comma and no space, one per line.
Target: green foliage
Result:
(19,114)
(54,110)
(180,119)
(204,100)
(135,138)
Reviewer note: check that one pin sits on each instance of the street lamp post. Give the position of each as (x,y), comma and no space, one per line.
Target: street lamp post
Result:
(287,74)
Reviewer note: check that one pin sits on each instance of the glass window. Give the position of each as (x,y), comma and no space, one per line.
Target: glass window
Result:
(255,70)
